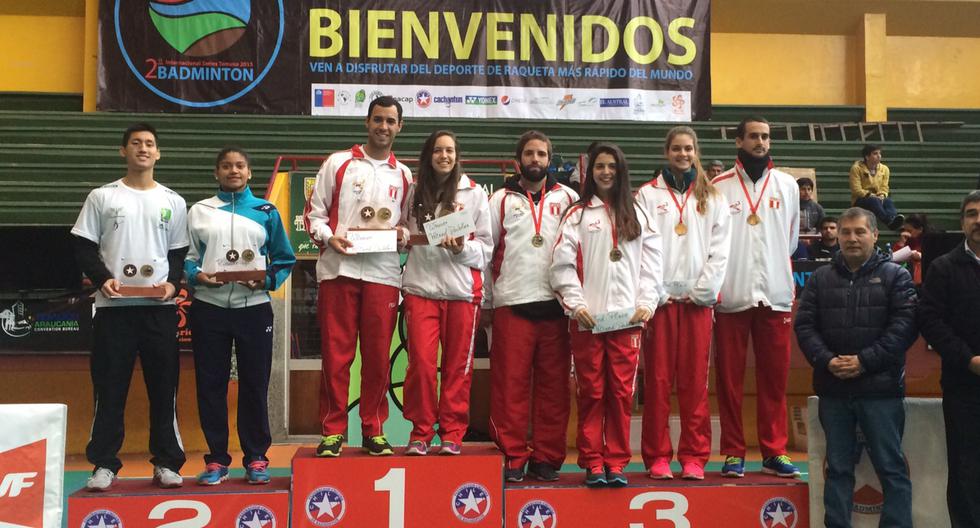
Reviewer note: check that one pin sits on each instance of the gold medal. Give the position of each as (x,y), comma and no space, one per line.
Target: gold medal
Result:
(754,219)
(231,255)
(537,240)
(248,255)
(680,229)
(146,270)
(129,270)
(367,212)
(615,255)
(384,213)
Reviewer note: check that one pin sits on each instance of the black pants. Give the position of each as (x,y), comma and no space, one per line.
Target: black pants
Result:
(120,335)
(962,415)
(214,329)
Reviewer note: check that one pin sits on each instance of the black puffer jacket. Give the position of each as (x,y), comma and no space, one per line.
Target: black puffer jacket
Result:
(870,313)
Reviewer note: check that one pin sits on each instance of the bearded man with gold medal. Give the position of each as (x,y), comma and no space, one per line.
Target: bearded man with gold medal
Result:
(757,299)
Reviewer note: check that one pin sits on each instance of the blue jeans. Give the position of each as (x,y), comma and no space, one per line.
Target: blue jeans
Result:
(883,208)
(882,421)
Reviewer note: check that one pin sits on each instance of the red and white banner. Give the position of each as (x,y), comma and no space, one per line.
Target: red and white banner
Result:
(753,502)
(357,490)
(924,446)
(32,465)
(137,503)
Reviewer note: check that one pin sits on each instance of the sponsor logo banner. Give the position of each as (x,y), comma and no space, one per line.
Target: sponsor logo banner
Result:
(279,57)
(32,464)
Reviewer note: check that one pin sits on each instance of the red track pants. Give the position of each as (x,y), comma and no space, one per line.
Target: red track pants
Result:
(345,307)
(605,372)
(453,324)
(770,332)
(675,350)
(530,362)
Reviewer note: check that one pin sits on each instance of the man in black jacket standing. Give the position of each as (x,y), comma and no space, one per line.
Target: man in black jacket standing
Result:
(856,319)
(948,317)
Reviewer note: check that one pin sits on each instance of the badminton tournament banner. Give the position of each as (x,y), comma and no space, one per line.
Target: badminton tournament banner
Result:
(645,60)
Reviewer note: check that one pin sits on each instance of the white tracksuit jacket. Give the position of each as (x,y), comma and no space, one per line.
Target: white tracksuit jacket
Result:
(347,182)
(519,272)
(759,267)
(695,263)
(583,275)
(434,272)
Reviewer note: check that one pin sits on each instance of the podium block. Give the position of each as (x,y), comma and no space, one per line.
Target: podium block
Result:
(750,502)
(137,503)
(357,490)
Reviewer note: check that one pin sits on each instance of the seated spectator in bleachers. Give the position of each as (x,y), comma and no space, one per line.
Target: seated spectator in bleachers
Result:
(869,187)
(715,168)
(810,211)
(828,246)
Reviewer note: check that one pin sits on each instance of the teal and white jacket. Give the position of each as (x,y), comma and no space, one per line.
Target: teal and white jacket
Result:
(243,223)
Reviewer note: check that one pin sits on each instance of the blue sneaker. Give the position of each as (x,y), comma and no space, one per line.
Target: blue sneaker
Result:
(781,466)
(734,467)
(595,477)
(257,472)
(615,477)
(213,475)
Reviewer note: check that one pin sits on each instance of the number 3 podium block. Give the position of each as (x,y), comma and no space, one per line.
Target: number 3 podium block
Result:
(750,502)
(357,490)
(138,503)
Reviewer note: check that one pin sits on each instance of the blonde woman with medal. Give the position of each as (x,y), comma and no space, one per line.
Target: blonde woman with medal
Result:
(234,232)
(756,299)
(607,260)
(443,289)
(694,219)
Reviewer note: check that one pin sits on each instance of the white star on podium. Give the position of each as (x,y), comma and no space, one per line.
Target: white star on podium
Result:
(779,516)
(255,522)
(472,503)
(102,523)
(325,506)
(537,520)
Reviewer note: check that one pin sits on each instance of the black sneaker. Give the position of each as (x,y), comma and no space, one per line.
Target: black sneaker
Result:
(513,474)
(595,477)
(897,222)
(330,446)
(542,471)
(615,477)
(378,446)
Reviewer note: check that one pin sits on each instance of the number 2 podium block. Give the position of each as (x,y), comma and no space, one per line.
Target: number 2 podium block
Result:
(138,503)
(750,502)
(357,490)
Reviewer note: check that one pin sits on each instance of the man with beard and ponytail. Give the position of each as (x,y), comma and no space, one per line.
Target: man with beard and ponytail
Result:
(530,351)
(756,299)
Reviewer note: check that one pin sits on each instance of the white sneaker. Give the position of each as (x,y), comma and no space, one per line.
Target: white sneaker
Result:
(101,480)
(166,478)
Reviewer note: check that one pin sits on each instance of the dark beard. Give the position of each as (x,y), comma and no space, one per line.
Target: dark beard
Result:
(534,174)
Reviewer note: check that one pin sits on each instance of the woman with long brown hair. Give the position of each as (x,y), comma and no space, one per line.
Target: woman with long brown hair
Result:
(694,219)
(606,263)
(443,288)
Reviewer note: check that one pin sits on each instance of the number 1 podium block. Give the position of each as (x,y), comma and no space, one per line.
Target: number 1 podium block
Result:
(138,503)
(750,502)
(357,490)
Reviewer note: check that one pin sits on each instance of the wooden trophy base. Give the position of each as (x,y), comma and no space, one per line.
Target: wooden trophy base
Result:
(240,276)
(142,291)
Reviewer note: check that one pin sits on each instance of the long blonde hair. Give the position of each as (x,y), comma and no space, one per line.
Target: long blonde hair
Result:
(703,188)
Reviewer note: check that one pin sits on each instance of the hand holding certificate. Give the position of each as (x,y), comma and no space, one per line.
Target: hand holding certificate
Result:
(616,320)
(458,224)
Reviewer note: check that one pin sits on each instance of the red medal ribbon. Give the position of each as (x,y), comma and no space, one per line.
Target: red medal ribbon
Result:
(536,220)
(612,223)
(687,195)
(741,172)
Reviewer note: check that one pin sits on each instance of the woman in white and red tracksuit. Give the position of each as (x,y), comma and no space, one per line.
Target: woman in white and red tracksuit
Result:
(694,220)
(443,285)
(607,259)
